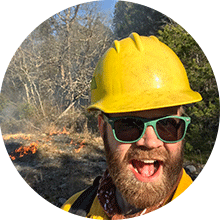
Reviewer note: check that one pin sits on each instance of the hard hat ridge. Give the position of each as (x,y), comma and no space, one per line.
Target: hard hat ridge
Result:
(116,46)
(137,40)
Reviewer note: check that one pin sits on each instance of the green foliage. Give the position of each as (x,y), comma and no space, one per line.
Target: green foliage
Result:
(25,111)
(130,17)
(205,114)
(3,102)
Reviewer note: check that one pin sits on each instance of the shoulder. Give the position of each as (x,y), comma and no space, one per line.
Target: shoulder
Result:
(67,205)
(96,211)
(184,183)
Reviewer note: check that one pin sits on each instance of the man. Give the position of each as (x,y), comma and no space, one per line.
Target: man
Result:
(139,86)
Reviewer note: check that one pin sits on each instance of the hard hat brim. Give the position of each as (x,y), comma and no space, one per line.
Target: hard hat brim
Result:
(142,102)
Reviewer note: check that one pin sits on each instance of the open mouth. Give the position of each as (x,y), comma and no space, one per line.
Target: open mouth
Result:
(146,170)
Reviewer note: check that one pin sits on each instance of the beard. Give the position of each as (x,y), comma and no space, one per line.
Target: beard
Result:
(139,194)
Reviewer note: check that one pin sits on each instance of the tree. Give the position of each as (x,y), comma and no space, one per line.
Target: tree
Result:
(51,71)
(205,114)
(130,17)
(82,39)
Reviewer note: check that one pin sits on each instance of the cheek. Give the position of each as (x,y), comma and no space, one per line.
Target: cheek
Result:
(116,147)
(175,149)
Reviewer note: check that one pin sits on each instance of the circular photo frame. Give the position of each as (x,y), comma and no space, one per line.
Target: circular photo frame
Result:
(51,139)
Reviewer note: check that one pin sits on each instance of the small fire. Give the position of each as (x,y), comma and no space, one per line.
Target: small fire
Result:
(81,146)
(21,151)
(59,132)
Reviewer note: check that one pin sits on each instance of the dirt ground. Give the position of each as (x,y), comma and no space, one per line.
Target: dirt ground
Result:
(62,165)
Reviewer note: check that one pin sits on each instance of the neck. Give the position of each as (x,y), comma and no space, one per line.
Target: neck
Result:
(125,207)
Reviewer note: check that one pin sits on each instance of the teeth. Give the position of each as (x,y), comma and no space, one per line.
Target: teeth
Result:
(148,161)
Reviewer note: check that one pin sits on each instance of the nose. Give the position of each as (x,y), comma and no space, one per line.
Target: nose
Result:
(149,139)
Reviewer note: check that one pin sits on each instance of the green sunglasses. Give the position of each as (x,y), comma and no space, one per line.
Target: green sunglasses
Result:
(169,129)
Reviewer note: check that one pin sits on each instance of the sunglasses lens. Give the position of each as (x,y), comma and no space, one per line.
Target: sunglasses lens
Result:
(171,129)
(128,129)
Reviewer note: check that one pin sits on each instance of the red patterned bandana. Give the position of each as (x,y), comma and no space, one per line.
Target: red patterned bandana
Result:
(106,195)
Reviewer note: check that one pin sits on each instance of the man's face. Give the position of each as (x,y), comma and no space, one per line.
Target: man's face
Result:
(145,171)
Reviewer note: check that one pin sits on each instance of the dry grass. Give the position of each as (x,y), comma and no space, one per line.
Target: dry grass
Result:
(64,163)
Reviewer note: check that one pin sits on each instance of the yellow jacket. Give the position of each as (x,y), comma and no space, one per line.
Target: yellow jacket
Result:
(97,212)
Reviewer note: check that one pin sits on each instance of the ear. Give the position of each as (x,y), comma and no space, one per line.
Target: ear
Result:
(101,125)
(180,111)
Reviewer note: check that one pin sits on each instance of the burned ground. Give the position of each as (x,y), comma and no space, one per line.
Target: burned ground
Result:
(62,165)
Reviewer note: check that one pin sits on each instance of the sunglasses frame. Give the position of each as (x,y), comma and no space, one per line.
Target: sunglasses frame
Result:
(147,122)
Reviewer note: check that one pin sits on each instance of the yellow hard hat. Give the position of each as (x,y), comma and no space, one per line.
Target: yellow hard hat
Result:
(139,73)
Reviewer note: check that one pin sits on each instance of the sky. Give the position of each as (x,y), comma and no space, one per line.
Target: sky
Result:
(108,4)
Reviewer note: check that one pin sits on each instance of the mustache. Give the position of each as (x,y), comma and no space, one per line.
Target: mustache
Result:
(139,153)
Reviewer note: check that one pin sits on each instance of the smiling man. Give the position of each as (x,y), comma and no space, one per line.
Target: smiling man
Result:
(139,86)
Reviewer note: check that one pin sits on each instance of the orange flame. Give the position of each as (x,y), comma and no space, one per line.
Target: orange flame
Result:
(21,151)
(64,131)
(81,146)
(59,132)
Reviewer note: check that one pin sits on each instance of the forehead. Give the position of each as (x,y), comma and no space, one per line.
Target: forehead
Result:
(154,113)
